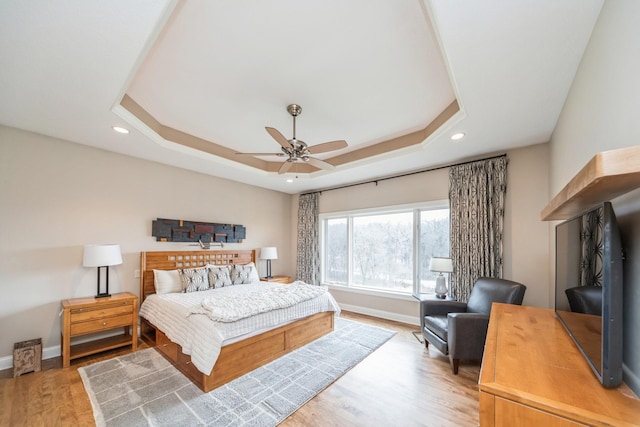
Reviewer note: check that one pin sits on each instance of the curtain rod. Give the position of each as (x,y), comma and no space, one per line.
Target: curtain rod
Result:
(376,181)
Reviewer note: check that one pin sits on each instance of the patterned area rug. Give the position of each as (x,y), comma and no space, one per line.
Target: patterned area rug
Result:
(143,389)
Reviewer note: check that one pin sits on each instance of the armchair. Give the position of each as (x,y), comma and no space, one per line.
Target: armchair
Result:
(585,299)
(459,329)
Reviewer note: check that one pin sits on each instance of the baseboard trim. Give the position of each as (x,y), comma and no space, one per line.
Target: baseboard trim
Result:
(6,362)
(631,379)
(388,315)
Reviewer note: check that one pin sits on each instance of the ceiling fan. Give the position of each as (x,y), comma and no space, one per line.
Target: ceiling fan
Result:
(297,150)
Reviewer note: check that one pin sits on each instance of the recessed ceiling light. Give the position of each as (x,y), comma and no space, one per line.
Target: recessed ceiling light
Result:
(120,129)
(289,179)
(457,136)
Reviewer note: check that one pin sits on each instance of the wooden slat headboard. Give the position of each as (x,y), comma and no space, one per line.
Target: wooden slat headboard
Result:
(172,260)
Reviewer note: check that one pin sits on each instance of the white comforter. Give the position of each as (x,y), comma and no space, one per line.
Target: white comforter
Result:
(203,338)
(230,308)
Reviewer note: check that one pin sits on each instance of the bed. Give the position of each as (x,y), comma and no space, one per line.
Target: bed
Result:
(236,356)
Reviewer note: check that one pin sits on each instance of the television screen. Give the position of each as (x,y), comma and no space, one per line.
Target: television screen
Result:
(589,289)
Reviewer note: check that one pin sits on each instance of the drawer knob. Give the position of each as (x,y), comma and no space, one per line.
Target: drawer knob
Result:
(104,323)
(188,363)
(164,345)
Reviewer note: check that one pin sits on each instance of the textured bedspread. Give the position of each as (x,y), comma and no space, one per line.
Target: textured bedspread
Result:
(202,338)
(229,308)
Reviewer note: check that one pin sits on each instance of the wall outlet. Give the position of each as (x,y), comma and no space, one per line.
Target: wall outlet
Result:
(136,274)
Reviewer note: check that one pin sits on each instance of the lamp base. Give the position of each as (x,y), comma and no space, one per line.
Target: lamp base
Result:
(269,276)
(106,291)
(441,287)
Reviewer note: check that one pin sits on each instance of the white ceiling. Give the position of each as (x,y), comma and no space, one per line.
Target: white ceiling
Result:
(363,70)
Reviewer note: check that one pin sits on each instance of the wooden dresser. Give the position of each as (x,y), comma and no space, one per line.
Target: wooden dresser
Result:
(533,375)
(84,316)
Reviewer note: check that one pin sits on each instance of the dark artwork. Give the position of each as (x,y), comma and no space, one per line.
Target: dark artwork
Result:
(177,230)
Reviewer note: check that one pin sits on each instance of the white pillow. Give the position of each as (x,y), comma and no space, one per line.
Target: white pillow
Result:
(167,281)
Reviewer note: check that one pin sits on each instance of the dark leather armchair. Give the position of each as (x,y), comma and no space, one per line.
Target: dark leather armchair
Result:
(585,299)
(460,329)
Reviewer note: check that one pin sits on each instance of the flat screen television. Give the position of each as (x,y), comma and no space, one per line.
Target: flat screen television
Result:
(588,300)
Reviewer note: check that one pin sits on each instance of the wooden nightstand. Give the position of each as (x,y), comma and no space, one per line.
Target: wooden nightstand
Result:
(277,279)
(82,316)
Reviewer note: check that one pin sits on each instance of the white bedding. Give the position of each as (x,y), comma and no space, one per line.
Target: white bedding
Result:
(235,306)
(203,338)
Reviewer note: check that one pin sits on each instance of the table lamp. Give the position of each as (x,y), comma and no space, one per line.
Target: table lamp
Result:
(441,265)
(269,253)
(102,256)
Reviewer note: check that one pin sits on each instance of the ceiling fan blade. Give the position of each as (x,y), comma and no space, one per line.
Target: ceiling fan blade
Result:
(320,163)
(285,167)
(260,154)
(280,139)
(327,146)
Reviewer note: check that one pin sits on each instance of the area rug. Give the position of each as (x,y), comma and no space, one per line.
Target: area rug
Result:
(143,389)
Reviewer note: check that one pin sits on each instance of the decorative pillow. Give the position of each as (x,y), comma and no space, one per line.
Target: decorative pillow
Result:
(167,281)
(219,277)
(243,274)
(194,279)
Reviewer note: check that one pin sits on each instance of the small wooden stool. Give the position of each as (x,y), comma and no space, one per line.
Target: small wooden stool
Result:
(27,356)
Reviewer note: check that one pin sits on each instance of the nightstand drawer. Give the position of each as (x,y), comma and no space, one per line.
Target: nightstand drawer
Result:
(83,314)
(165,345)
(100,324)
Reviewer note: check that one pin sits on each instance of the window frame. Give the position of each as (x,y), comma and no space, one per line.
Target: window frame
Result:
(415,208)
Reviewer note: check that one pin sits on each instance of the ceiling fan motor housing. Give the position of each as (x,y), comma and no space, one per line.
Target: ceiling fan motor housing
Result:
(294,109)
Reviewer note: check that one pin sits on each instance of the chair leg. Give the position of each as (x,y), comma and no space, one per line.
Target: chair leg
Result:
(454,365)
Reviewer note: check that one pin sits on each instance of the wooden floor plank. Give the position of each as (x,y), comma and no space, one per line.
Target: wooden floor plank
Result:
(401,383)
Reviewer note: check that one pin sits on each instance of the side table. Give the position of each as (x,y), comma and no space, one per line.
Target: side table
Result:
(277,279)
(83,316)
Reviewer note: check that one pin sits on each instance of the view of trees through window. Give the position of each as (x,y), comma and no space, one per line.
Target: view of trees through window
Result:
(434,241)
(376,250)
(335,259)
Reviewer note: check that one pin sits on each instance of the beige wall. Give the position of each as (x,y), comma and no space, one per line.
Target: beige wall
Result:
(601,113)
(525,240)
(57,196)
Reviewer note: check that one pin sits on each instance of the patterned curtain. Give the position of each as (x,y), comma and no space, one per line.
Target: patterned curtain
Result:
(592,247)
(308,259)
(476,195)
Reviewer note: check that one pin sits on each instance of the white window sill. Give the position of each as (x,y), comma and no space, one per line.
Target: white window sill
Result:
(372,292)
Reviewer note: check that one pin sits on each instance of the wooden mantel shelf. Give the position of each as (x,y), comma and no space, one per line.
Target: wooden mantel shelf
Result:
(607,175)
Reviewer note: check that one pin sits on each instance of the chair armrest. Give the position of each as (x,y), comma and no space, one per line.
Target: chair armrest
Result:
(441,308)
(467,334)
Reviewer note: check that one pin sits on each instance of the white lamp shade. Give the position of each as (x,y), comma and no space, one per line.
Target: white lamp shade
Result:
(101,255)
(269,252)
(442,265)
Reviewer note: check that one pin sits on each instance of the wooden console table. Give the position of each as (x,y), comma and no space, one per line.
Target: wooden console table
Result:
(533,375)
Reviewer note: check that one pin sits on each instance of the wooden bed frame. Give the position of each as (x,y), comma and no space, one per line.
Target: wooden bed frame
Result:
(240,357)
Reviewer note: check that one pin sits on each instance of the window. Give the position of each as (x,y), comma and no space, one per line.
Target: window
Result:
(433,241)
(386,249)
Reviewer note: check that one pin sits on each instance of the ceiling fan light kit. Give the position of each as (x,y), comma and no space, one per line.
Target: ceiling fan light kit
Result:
(298,150)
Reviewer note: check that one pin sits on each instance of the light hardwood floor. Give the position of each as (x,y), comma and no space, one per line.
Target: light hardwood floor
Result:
(400,384)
